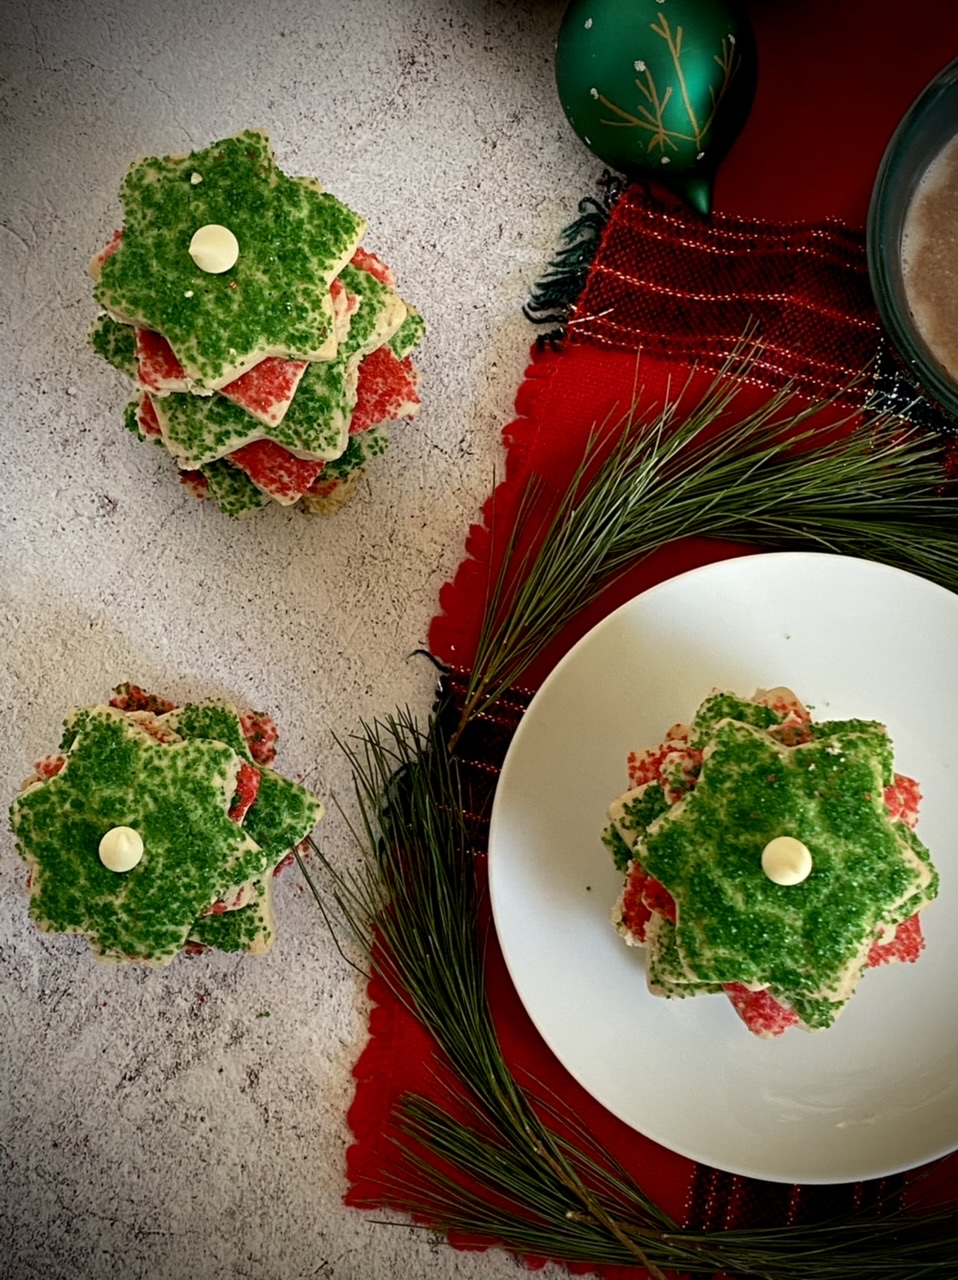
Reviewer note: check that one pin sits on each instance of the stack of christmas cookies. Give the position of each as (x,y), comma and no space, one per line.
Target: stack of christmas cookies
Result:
(769,857)
(269,349)
(156,829)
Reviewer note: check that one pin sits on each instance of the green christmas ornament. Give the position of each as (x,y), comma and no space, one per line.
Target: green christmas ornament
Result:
(658,89)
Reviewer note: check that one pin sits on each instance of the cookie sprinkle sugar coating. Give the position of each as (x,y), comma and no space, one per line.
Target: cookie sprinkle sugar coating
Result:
(246,423)
(691,834)
(195,787)
(294,240)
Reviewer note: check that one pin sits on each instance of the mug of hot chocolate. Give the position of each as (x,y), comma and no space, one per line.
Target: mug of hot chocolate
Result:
(913,239)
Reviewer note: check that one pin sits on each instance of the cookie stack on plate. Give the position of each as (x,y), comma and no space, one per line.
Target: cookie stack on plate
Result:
(770,857)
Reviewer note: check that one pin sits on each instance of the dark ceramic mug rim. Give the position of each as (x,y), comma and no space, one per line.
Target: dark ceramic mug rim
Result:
(927,126)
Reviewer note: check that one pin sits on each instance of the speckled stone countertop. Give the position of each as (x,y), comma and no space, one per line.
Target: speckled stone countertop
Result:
(156,1123)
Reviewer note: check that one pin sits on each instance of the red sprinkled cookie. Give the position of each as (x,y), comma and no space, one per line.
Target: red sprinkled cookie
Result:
(276,471)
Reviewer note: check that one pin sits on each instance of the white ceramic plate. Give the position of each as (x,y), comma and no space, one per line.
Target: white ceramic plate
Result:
(878,1092)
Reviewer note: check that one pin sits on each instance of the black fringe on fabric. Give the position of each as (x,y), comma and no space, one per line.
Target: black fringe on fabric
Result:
(896,390)
(555,295)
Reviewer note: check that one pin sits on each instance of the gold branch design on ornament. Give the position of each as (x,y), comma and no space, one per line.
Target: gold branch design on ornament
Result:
(652,117)
(730,62)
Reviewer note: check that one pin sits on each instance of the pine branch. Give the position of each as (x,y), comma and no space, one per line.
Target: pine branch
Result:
(871,488)
(515,1170)
(417,897)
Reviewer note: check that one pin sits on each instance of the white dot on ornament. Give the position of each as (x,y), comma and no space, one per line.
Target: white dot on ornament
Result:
(588,23)
(665,160)
(121,849)
(214,249)
(594,93)
(786,861)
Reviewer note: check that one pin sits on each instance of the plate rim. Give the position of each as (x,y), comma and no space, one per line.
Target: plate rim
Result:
(719,567)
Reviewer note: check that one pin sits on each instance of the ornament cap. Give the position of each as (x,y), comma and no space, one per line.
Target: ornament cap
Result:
(696,190)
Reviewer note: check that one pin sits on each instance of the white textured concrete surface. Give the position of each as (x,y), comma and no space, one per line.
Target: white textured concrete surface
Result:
(152,1123)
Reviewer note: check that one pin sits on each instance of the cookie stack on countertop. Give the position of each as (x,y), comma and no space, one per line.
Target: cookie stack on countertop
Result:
(157,829)
(269,349)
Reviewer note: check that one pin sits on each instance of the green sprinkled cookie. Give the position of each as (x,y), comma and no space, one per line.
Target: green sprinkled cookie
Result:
(175,796)
(232,491)
(361,448)
(151,824)
(116,343)
(293,239)
(260,334)
(283,809)
(379,315)
(668,974)
(735,924)
(249,928)
(213,718)
(201,429)
(409,334)
(131,419)
(770,857)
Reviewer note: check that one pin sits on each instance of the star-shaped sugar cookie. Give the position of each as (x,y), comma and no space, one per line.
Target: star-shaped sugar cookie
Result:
(807,941)
(259,357)
(201,429)
(213,818)
(175,795)
(293,240)
(284,811)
